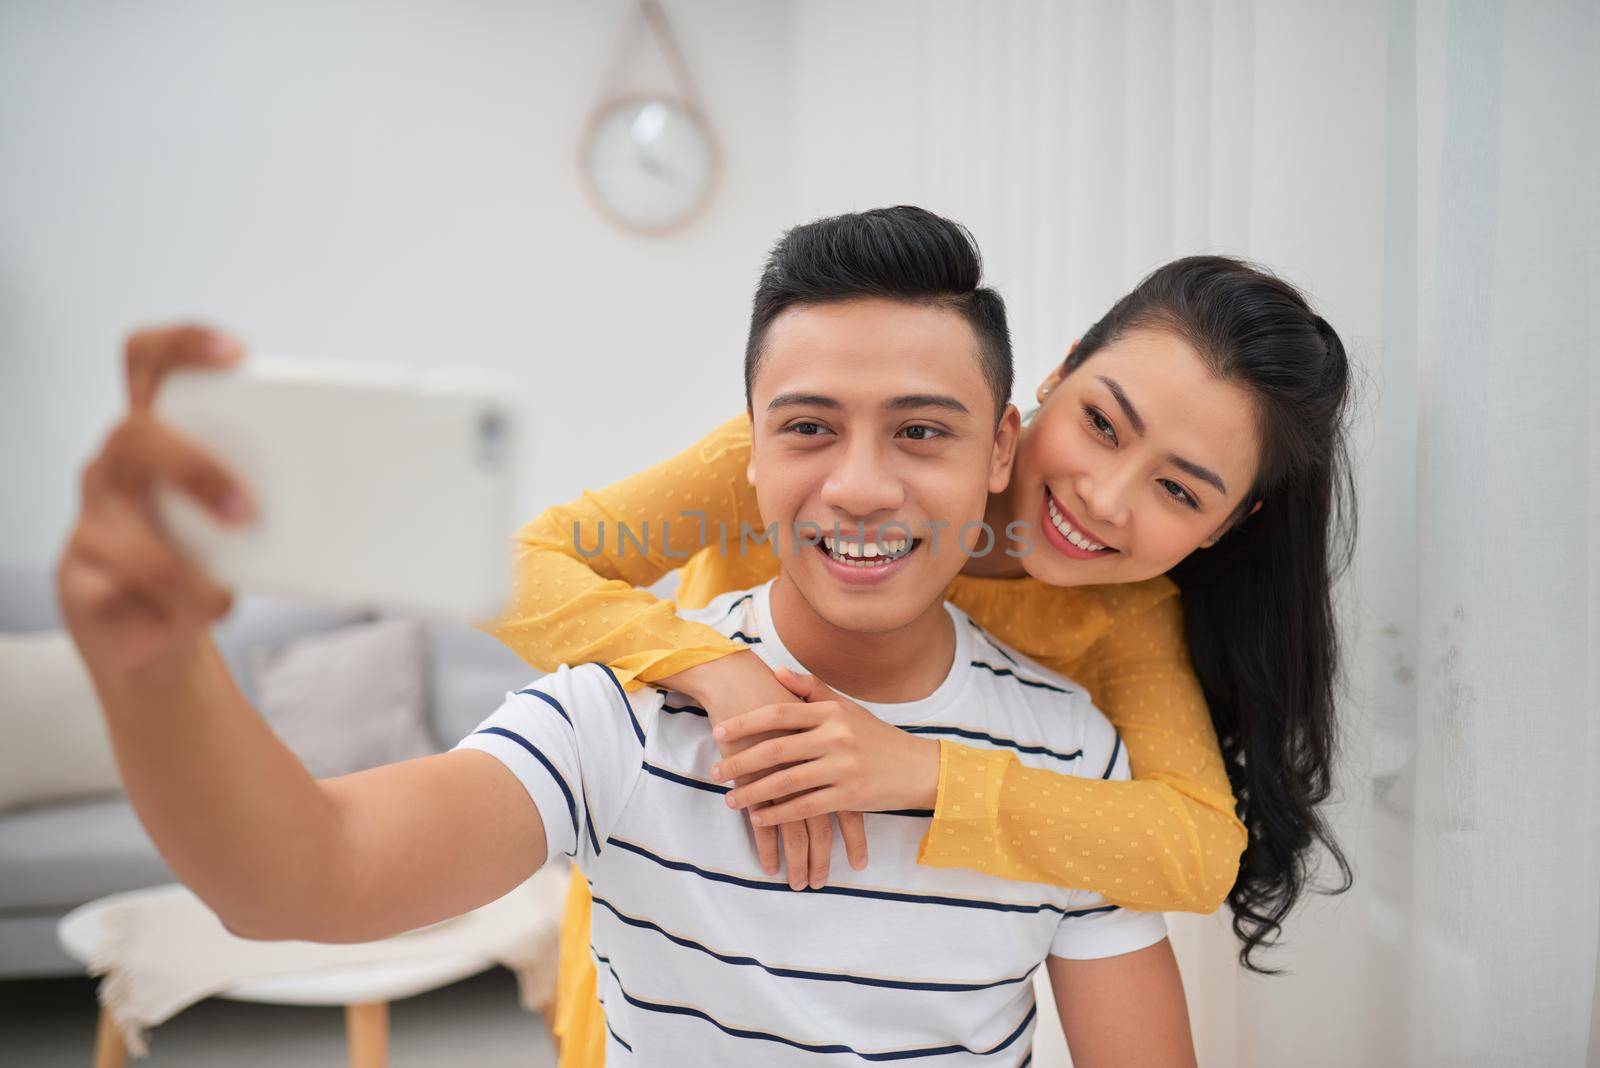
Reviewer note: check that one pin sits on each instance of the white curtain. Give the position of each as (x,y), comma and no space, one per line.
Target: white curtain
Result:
(1428,173)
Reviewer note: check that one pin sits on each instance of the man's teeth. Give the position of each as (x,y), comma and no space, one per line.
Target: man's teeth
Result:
(865,554)
(1068,531)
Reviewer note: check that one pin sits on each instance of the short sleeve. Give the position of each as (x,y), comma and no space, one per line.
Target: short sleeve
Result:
(575,740)
(1106,931)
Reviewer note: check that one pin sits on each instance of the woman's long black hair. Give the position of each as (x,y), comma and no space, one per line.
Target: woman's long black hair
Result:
(1258,606)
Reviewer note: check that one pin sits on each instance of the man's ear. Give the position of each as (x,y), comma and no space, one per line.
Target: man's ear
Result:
(1006,436)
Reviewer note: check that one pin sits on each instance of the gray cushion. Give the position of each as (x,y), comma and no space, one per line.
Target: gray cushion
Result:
(348,699)
(28,598)
(66,854)
(265,623)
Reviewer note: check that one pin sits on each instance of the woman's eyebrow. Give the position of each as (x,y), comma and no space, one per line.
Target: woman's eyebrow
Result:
(1127,405)
(1205,474)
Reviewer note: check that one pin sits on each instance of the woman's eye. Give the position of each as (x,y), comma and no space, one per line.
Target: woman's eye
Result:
(922,433)
(1099,423)
(1178,493)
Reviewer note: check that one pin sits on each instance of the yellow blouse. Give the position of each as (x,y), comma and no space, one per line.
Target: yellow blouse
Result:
(1166,840)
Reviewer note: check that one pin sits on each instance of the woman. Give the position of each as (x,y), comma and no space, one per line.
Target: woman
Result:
(1197,614)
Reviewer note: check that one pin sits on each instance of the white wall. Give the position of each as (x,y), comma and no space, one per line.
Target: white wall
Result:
(392,182)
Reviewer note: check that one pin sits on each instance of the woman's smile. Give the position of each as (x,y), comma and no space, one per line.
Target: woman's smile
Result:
(1067,535)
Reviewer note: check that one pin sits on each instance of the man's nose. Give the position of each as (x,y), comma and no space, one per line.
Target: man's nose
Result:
(864,482)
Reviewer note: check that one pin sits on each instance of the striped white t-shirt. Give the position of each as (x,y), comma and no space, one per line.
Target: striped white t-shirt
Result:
(705,959)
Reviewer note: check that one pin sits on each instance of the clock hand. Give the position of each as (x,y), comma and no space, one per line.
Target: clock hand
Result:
(653,164)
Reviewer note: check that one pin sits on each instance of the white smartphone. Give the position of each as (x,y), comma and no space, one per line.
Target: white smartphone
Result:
(373,488)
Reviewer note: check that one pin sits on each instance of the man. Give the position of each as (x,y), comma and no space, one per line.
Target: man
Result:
(877,376)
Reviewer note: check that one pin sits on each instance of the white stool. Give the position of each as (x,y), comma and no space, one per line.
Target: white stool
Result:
(365,991)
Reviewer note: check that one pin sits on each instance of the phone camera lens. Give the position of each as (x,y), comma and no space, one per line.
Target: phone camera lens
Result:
(491,439)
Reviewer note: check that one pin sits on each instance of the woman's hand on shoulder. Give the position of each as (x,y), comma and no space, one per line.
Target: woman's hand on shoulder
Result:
(728,688)
(825,754)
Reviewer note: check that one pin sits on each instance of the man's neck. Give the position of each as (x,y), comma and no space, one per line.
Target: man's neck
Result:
(906,664)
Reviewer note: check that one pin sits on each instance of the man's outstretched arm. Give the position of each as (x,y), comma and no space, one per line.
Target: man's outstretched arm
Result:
(278,854)
(1126,1011)
(274,852)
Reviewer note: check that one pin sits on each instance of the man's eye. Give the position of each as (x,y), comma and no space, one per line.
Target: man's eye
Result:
(808,430)
(919,432)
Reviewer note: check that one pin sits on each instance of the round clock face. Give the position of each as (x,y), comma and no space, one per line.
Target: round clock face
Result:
(649,162)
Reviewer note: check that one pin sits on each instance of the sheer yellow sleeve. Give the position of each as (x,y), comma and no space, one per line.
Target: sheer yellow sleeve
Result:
(576,567)
(1166,840)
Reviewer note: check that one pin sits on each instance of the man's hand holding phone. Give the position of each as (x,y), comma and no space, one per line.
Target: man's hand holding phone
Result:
(128,594)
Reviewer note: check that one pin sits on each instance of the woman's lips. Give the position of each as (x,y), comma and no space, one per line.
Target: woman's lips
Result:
(1058,540)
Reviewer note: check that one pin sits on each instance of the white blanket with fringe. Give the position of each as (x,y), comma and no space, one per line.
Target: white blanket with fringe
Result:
(160,956)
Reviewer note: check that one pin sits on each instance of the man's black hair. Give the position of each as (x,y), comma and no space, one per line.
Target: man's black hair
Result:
(902,253)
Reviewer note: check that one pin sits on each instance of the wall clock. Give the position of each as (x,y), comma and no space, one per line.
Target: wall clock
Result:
(649,161)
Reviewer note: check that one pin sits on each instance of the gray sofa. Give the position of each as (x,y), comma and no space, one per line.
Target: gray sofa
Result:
(54,857)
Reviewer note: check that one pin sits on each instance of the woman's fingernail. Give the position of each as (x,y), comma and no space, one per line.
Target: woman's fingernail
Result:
(716,772)
(718,732)
(759,820)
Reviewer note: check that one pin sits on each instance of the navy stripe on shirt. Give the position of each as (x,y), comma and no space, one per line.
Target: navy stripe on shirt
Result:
(853,891)
(637,730)
(1008,743)
(1116,748)
(801,973)
(684,780)
(603,959)
(566,791)
(1008,673)
(996,646)
(588,820)
(717,788)
(551,701)
(961,732)
(866,1055)
(736,604)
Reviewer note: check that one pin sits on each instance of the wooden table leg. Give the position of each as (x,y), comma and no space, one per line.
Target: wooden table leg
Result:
(109,1049)
(366,1030)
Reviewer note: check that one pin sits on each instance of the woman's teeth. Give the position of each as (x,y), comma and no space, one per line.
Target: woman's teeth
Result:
(1068,531)
(867,554)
